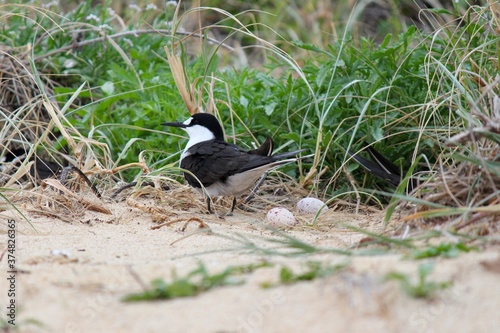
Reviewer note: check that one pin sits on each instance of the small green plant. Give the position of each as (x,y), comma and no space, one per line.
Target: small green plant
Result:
(315,270)
(423,288)
(6,326)
(194,283)
(447,250)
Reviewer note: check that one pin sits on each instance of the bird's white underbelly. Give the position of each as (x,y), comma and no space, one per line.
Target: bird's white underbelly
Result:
(238,184)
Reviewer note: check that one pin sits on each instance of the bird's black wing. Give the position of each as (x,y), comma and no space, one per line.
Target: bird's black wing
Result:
(265,149)
(213,161)
(383,162)
(383,168)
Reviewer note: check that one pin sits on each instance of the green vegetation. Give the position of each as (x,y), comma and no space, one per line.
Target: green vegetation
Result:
(406,94)
(20,325)
(195,282)
(314,271)
(447,250)
(200,280)
(90,87)
(423,288)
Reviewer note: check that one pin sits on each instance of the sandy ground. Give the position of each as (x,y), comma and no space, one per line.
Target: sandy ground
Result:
(73,276)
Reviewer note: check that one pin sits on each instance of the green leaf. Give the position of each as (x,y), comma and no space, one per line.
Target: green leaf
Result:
(386,41)
(269,108)
(309,47)
(108,88)
(243,101)
(377,133)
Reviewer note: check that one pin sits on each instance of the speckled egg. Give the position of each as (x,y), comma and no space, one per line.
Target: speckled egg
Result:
(311,206)
(280,217)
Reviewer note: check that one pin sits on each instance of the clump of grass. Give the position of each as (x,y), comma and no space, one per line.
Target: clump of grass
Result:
(200,280)
(23,118)
(446,250)
(423,288)
(463,188)
(194,283)
(314,270)
(21,324)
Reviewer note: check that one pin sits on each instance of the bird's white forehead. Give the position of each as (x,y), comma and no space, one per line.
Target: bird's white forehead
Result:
(188,121)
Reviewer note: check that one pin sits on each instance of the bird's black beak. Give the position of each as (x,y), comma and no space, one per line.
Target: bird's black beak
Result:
(175,124)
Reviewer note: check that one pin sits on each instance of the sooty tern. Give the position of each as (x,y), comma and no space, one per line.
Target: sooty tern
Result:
(222,168)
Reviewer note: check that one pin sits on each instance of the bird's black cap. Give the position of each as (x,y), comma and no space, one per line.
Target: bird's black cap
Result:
(203,119)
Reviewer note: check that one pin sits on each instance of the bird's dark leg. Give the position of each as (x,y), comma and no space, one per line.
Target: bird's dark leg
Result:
(256,187)
(232,207)
(208,205)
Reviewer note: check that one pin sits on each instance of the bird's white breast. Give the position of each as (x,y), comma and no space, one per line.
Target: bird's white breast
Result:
(196,134)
